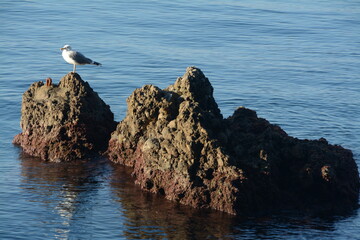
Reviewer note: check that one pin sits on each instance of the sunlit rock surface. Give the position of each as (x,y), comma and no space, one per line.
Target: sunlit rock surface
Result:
(64,122)
(180,146)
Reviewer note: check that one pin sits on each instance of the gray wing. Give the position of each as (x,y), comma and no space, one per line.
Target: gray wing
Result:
(79,58)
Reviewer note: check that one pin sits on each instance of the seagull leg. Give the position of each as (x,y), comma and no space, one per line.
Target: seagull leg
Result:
(74,68)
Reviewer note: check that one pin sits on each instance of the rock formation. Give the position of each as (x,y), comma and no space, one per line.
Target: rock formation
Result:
(64,122)
(179,145)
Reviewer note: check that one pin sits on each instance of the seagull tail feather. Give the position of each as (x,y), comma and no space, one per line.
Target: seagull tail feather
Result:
(96,63)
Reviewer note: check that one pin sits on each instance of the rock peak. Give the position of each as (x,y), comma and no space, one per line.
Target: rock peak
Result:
(194,86)
(70,77)
(74,82)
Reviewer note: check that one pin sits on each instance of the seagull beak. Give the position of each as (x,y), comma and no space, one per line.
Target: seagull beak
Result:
(62,48)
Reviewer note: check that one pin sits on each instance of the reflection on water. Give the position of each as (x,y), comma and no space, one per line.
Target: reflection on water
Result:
(98,200)
(152,216)
(66,190)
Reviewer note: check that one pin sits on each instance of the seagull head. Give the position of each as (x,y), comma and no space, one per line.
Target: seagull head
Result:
(66,47)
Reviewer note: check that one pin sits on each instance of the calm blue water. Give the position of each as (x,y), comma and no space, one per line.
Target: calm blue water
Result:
(297,63)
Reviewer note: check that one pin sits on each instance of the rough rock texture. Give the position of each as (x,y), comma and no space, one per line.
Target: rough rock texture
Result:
(180,146)
(64,122)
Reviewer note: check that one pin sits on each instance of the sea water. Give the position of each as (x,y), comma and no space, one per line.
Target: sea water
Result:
(297,63)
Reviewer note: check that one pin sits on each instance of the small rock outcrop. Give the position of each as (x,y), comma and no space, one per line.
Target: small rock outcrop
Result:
(64,122)
(179,145)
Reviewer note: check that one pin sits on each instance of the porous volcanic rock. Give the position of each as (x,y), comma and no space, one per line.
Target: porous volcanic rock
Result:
(64,122)
(180,146)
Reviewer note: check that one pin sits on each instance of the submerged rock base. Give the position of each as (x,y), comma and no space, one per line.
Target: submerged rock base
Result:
(180,146)
(64,122)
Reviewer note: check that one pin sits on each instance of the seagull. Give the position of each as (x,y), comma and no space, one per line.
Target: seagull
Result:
(76,58)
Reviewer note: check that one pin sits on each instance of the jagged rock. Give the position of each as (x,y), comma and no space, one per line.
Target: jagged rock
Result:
(64,122)
(180,146)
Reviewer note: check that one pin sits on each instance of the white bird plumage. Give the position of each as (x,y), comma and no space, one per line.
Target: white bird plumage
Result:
(76,58)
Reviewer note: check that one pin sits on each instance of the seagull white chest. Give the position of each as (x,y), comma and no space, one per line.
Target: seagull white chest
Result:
(67,58)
